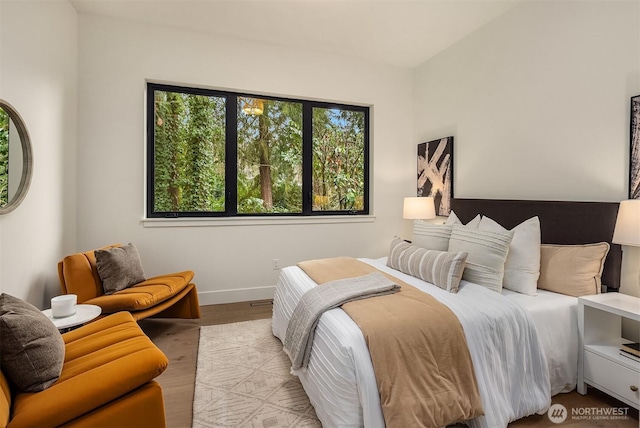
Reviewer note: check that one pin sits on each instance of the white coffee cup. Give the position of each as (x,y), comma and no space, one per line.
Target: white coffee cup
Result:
(64,305)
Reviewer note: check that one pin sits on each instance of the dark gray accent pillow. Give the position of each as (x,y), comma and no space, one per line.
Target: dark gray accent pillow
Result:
(31,348)
(119,268)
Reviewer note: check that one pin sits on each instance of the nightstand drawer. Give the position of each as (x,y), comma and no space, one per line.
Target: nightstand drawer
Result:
(612,376)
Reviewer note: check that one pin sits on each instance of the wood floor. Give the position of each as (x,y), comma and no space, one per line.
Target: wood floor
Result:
(178,339)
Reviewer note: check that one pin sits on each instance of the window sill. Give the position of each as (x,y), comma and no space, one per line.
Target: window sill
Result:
(255,221)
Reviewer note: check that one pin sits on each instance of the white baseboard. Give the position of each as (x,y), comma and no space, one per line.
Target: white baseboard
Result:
(233,296)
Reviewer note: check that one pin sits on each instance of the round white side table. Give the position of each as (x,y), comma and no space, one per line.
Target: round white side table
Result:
(84,314)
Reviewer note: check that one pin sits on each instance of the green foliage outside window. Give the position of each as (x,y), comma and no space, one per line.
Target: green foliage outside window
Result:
(193,132)
(189,153)
(269,157)
(338,159)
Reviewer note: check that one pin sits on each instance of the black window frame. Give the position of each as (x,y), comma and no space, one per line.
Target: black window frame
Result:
(231,126)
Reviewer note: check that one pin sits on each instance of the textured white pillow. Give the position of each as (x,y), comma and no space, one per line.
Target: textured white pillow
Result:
(487,252)
(431,236)
(522,267)
(453,219)
(436,236)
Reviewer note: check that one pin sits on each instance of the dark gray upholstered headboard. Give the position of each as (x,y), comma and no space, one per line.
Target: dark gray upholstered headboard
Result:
(560,223)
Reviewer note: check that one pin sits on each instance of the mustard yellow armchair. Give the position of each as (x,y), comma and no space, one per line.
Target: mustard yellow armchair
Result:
(107,381)
(166,296)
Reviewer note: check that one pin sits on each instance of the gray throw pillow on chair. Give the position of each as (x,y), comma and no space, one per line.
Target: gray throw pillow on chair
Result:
(119,268)
(31,350)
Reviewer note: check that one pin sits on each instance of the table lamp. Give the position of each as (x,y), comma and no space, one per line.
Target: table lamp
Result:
(627,231)
(419,208)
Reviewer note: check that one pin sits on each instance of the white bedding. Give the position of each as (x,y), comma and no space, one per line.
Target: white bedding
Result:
(556,319)
(341,383)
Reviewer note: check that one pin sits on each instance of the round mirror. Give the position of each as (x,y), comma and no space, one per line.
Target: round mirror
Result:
(16,160)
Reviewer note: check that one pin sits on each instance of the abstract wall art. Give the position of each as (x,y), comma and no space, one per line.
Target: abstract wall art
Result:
(435,173)
(634,166)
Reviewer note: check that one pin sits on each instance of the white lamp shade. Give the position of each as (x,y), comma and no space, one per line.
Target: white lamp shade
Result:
(419,208)
(627,231)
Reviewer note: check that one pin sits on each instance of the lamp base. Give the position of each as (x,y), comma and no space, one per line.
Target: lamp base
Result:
(630,284)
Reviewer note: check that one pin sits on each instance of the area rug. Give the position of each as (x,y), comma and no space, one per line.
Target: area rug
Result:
(243,380)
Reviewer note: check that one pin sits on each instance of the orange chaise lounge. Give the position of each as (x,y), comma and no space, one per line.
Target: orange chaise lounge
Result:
(106,379)
(165,296)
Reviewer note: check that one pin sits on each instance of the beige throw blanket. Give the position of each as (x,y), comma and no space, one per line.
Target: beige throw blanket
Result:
(418,349)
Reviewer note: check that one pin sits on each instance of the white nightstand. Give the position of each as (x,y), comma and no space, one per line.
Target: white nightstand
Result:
(599,361)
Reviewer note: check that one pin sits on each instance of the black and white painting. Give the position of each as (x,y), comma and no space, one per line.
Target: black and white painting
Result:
(634,167)
(435,173)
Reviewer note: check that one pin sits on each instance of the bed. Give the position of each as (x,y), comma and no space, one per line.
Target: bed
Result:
(340,379)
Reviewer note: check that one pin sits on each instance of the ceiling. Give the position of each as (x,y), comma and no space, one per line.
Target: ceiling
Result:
(402,33)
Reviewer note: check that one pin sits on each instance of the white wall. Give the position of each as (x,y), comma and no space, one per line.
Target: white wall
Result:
(231,262)
(538,102)
(38,64)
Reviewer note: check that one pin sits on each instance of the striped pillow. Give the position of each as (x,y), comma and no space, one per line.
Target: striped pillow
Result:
(431,236)
(440,268)
(487,254)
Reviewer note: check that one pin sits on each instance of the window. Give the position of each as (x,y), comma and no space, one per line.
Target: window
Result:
(217,153)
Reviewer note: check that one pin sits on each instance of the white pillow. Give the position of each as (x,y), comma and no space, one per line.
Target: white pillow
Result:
(522,267)
(487,252)
(431,236)
(453,219)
